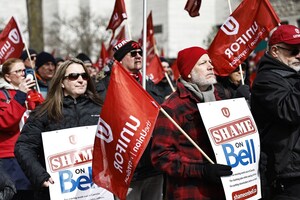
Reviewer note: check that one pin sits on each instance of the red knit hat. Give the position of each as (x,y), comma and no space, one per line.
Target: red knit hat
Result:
(288,34)
(187,58)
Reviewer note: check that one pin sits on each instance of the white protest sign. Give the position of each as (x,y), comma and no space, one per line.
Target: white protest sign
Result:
(234,137)
(68,155)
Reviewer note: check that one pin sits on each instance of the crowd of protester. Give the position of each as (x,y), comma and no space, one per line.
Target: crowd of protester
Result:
(169,168)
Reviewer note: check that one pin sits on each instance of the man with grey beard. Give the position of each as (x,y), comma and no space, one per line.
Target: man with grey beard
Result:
(189,174)
(275,104)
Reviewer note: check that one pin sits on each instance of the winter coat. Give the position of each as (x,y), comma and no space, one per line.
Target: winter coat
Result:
(275,105)
(29,148)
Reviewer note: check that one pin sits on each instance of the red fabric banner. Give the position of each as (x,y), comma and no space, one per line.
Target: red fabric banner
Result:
(118,15)
(175,70)
(11,41)
(155,70)
(193,7)
(124,129)
(240,34)
(114,41)
(103,58)
(150,38)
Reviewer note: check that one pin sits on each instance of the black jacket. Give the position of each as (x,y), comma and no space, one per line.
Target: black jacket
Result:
(145,168)
(275,104)
(29,148)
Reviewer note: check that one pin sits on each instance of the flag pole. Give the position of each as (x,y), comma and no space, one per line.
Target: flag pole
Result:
(28,54)
(128,30)
(240,66)
(144,43)
(186,135)
(169,81)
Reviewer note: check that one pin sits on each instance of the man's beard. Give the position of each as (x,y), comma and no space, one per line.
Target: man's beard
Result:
(201,81)
(295,67)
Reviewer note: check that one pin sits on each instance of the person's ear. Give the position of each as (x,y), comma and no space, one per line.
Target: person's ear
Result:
(273,51)
(62,85)
(189,76)
(6,76)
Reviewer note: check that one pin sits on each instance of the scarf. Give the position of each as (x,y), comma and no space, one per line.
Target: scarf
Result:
(205,96)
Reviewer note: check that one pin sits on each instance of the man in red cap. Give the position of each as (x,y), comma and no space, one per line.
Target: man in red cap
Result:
(189,174)
(275,104)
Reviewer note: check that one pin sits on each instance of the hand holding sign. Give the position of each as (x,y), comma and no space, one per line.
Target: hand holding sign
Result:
(213,172)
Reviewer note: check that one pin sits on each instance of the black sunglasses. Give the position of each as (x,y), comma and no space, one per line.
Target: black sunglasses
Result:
(134,53)
(75,76)
(294,51)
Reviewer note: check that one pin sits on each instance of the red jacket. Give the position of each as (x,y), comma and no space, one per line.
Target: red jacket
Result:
(10,115)
(175,155)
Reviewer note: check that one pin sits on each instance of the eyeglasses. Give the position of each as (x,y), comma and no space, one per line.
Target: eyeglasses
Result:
(134,53)
(18,72)
(75,76)
(294,51)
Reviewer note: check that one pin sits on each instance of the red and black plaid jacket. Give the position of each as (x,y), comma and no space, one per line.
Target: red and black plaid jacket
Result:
(173,154)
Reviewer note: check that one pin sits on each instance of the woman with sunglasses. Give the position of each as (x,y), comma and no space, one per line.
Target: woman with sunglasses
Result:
(71,102)
(16,94)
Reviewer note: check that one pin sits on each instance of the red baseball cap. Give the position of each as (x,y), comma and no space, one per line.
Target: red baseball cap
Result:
(288,34)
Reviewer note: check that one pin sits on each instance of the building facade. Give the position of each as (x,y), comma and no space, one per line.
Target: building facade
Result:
(174,28)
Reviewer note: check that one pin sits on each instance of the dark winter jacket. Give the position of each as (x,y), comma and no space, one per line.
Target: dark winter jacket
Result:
(275,105)
(29,148)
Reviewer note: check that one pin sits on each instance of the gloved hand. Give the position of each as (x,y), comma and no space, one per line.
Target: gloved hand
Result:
(243,91)
(7,187)
(33,99)
(213,172)
(34,96)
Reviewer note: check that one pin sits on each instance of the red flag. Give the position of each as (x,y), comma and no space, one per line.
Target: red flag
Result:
(114,41)
(175,70)
(123,132)
(53,52)
(118,15)
(162,52)
(11,41)
(155,70)
(240,34)
(193,7)
(150,38)
(103,58)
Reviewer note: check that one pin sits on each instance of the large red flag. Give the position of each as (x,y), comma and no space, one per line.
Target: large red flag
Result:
(240,34)
(155,70)
(193,7)
(11,41)
(103,57)
(125,126)
(118,15)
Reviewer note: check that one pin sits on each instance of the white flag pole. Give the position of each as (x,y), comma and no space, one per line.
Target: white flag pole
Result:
(240,66)
(144,43)
(28,54)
